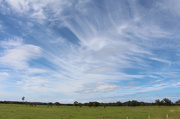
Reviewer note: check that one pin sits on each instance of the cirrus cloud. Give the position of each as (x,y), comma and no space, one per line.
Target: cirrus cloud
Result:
(16,55)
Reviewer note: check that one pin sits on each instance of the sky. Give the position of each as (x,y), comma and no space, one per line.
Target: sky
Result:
(89,50)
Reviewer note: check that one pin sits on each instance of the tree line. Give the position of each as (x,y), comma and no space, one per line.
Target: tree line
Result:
(49,104)
(163,102)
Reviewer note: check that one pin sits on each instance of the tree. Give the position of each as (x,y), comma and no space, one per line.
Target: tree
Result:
(118,103)
(141,103)
(95,104)
(23,98)
(158,102)
(57,103)
(166,102)
(178,102)
(104,104)
(75,103)
(86,104)
(128,103)
(80,104)
(90,104)
(50,104)
(134,103)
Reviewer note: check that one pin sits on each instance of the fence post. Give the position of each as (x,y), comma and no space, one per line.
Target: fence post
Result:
(167,116)
(127,118)
(149,117)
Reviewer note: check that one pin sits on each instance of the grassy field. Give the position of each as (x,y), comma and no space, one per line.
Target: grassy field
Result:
(14,111)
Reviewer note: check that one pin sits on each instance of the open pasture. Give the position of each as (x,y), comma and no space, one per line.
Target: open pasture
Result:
(17,111)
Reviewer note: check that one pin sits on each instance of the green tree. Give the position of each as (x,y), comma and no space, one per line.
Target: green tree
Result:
(158,102)
(23,98)
(76,103)
(128,103)
(118,103)
(104,105)
(177,102)
(50,104)
(142,103)
(57,103)
(80,104)
(86,104)
(167,102)
(90,104)
(95,104)
(134,103)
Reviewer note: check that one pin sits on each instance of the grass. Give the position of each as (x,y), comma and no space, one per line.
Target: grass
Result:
(15,111)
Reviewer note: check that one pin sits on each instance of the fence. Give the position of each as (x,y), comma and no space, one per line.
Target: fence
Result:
(149,117)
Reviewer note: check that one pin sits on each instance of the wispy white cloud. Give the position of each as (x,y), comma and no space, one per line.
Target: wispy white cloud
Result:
(17,55)
(19,5)
(132,93)
(161,60)
(98,87)
(155,87)
(11,43)
(38,10)
(168,6)
(35,71)
(69,47)
(4,74)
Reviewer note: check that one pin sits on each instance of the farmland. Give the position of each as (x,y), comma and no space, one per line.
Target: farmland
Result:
(19,111)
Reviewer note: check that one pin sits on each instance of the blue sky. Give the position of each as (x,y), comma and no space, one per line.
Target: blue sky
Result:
(89,50)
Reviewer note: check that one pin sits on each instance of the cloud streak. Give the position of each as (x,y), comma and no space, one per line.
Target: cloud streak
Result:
(98,87)
(18,56)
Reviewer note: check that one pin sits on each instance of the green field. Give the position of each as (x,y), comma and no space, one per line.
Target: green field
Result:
(15,111)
